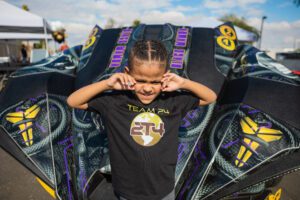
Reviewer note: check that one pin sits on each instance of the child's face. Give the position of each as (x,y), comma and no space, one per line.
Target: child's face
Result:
(148,81)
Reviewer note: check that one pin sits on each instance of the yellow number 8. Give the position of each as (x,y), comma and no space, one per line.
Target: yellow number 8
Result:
(91,40)
(226,43)
(226,40)
(228,31)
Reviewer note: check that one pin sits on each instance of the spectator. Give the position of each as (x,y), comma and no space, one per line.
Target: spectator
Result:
(63,46)
(24,54)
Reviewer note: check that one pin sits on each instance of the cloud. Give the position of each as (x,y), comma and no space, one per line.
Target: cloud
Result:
(254,12)
(244,7)
(80,17)
(285,4)
(277,35)
(162,17)
(79,32)
(217,4)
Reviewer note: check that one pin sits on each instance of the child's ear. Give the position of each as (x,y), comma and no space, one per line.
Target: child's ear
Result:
(126,70)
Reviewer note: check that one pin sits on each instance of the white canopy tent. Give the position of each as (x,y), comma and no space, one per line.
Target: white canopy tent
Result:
(18,25)
(24,36)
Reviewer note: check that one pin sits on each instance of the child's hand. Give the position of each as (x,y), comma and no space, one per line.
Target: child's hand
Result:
(171,82)
(121,81)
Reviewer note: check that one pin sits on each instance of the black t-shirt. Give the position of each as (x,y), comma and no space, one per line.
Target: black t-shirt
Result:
(143,140)
(24,53)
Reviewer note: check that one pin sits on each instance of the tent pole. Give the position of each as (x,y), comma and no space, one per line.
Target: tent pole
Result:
(8,51)
(46,39)
(7,48)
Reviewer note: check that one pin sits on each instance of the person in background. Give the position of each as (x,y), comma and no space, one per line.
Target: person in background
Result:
(63,46)
(24,54)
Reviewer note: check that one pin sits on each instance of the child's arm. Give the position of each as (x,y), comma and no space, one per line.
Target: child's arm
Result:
(118,81)
(172,82)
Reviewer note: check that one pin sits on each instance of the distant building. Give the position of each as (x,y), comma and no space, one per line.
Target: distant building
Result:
(289,59)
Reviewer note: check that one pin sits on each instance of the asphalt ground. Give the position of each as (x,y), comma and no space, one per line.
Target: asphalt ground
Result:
(18,183)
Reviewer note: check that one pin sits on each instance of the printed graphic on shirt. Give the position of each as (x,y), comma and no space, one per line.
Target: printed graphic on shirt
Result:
(152,110)
(147,129)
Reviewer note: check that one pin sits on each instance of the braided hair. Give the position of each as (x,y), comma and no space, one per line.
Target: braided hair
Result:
(151,51)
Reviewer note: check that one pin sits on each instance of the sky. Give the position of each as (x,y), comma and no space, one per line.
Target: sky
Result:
(281,28)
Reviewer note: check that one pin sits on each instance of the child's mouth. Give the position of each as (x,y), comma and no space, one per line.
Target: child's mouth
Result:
(147,95)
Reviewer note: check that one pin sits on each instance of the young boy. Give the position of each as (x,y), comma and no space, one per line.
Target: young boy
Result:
(143,110)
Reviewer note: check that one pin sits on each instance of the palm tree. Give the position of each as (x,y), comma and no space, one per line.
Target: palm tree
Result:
(110,23)
(239,22)
(136,22)
(25,7)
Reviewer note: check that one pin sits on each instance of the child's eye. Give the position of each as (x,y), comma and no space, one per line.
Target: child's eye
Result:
(156,83)
(143,82)
(139,81)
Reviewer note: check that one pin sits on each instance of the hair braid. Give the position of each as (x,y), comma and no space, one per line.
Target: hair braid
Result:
(148,51)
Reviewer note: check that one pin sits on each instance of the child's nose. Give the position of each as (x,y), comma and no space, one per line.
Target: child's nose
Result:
(147,88)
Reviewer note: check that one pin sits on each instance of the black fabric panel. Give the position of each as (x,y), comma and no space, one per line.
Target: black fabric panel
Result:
(153,32)
(99,58)
(20,88)
(277,99)
(271,170)
(10,147)
(23,29)
(60,84)
(234,91)
(96,183)
(201,65)
(25,87)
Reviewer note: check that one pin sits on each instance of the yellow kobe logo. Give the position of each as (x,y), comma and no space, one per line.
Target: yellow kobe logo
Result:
(24,121)
(275,196)
(255,136)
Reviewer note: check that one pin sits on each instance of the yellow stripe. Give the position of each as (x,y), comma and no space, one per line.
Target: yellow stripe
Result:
(274,197)
(32,112)
(239,156)
(247,124)
(47,188)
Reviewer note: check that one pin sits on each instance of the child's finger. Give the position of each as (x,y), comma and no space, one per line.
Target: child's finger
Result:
(120,78)
(166,89)
(171,75)
(133,80)
(131,87)
(128,80)
(125,80)
(167,73)
(164,85)
(169,79)
(164,80)
(127,87)
(121,83)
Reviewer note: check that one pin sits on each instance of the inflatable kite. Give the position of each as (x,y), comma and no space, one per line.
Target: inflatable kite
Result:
(241,146)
